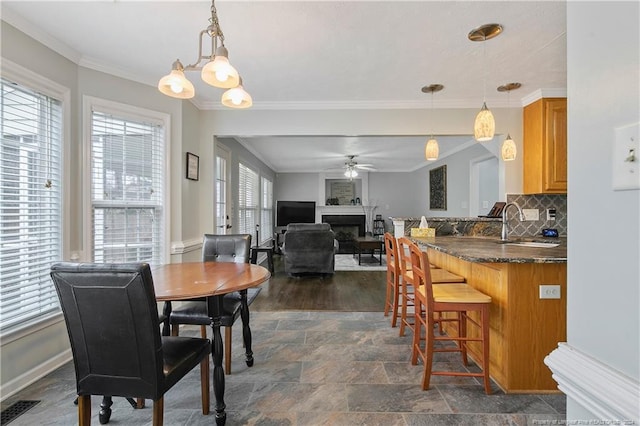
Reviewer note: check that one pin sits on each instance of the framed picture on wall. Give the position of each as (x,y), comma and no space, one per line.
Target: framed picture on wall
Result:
(193,166)
(438,188)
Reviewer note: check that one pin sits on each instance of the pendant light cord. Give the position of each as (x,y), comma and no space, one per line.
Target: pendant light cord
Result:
(484,71)
(432,114)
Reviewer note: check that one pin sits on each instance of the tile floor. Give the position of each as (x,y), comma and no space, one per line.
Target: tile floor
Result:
(314,368)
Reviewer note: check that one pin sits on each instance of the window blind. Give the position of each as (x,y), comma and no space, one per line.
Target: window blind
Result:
(249,197)
(127,187)
(31,203)
(266,220)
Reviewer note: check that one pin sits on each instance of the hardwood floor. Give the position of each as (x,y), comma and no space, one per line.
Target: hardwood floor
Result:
(350,291)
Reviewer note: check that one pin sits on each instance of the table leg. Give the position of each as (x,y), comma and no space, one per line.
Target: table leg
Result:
(166,311)
(246,330)
(215,310)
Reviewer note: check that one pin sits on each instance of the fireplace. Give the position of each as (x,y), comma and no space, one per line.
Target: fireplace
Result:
(346,227)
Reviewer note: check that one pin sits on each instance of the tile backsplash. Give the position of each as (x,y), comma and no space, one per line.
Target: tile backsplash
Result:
(542,202)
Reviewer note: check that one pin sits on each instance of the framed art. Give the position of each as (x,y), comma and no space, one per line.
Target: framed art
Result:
(438,188)
(193,166)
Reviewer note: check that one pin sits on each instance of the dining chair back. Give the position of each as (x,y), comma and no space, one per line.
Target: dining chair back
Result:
(226,248)
(111,315)
(222,248)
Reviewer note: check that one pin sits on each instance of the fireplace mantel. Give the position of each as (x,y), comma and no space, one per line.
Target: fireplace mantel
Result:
(338,210)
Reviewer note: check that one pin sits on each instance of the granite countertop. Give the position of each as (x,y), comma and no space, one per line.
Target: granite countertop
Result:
(490,249)
(450,219)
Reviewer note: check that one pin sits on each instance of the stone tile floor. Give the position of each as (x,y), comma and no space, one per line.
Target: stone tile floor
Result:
(314,368)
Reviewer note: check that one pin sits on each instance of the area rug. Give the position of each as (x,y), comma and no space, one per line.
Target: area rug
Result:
(347,262)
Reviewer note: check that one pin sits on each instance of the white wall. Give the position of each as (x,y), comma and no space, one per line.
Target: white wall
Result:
(604,243)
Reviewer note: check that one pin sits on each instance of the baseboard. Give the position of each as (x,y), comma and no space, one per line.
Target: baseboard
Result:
(603,391)
(13,386)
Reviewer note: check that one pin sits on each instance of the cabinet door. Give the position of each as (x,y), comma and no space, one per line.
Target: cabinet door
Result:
(545,146)
(555,179)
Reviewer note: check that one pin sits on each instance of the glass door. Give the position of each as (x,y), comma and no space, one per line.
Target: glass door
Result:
(223,179)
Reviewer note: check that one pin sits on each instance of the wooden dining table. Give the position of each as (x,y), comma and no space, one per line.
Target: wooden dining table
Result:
(211,280)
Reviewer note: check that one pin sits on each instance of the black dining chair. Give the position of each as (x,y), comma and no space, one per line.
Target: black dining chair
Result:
(111,315)
(222,248)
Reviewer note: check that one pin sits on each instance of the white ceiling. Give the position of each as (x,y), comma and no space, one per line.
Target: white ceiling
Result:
(320,55)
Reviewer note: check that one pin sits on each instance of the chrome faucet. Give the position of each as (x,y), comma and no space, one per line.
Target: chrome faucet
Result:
(504,234)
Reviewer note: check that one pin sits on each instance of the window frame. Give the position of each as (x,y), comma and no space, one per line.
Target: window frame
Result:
(36,82)
(132,113)
(266,235)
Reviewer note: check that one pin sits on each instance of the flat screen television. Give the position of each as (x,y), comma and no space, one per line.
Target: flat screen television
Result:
(295,212)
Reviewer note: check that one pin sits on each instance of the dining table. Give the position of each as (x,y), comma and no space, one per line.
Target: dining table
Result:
(210,280)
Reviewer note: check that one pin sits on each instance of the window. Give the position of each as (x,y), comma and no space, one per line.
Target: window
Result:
(127,187)
(266,204)
(31,203)
(222,185)
(248,205)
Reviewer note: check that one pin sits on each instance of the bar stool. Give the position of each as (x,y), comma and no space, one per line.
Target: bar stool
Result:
(460,299)
(439,276)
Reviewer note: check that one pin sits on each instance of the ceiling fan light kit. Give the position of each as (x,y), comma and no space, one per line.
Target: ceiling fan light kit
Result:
(484,127)
(217,71)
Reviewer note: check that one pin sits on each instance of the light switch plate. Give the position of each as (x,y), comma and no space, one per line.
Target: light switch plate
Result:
(531,214)
(626,158)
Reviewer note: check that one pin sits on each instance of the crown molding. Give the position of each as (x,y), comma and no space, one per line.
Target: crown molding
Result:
(543,93)
(39,35)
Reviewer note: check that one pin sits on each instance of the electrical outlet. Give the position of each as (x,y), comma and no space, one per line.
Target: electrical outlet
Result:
(551,214)
(531,214)
(548,291)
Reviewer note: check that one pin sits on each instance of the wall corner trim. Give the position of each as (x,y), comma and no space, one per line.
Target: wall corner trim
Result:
(181,247)
(600,389)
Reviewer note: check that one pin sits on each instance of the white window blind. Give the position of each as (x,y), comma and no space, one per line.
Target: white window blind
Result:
(266,220)
(249,198)
(31,203)
(127,187)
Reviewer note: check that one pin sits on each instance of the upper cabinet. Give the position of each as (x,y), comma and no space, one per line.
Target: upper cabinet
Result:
(545,147)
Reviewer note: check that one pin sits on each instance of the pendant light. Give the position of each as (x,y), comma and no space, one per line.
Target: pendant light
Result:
(509,146)
(431,149)
(485,126)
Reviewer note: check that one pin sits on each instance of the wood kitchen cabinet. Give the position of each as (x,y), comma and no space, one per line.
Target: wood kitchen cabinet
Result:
(545,147)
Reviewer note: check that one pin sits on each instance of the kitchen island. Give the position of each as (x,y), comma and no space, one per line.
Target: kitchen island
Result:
(524,328)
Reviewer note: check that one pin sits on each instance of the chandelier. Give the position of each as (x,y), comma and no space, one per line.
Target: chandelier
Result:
(217,71)
(484,127)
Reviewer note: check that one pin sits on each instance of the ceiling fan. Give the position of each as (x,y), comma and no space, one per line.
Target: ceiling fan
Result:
(351,166)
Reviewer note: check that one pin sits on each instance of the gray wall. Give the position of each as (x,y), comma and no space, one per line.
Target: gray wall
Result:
(28,354)
(604,241)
